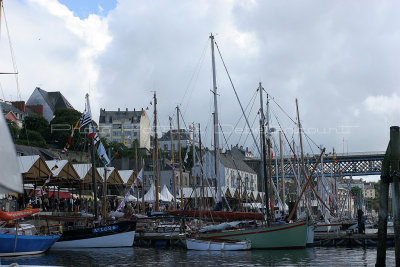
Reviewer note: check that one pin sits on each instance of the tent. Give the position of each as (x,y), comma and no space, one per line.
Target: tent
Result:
(166,195)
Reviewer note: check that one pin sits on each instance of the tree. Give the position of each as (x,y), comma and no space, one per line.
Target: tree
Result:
(14,130)
(37,123)
(61,127)
(31,138)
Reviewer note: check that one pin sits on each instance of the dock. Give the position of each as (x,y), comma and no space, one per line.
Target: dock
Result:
(348,239)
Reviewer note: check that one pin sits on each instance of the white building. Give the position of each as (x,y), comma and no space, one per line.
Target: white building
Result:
(164,143)
(125,127)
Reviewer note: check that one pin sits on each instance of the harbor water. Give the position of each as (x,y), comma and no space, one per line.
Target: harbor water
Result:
(135,256)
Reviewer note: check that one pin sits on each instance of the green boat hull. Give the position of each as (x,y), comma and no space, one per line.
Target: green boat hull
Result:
(291,235)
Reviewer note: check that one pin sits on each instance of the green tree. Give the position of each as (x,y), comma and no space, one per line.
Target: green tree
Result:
(14,130)
(37,123)
(31,138)
(61,127)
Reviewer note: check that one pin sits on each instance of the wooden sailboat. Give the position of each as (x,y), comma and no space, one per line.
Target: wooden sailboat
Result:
(270,236)
(98,234)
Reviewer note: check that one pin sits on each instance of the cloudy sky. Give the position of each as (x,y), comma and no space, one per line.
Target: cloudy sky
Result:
(340,59)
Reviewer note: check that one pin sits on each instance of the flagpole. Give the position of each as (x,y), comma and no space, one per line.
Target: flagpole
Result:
(137,186)
(93,177)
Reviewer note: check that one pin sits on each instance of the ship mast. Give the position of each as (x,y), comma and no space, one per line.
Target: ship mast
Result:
(156,152)
(172,161)
(216,122)
(180,157)
(264,174)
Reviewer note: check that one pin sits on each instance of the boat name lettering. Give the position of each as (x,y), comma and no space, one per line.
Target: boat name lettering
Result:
(105,229)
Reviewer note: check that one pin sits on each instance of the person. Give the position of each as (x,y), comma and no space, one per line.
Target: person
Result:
(362,225)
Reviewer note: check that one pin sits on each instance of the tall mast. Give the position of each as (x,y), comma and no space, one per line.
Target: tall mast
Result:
(105,187)
(156,151)
(137,186)
(143,203)
(216,122)
(271,182)
(93,177)
(180,156)
(264,174)
(282,170)
(300,134)
(201,170)
(172,161)
(194,161)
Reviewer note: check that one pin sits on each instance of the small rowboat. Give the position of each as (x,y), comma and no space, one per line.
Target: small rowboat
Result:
(207,244)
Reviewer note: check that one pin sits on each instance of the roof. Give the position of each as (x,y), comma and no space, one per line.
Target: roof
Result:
(184,135)
(85,174)
(29,151)
(229,162)
(8,107)
(58,165)
(33,166)
(133,116)
(113,176)
(54,99)
(126,175)
(62,169)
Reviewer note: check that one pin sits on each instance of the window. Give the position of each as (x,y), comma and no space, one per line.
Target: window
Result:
(116,126)
(127,133)
(116,133)
(165,147)
(134,133)
(127,126)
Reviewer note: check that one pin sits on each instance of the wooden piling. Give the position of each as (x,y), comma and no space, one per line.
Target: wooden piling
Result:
(395,173)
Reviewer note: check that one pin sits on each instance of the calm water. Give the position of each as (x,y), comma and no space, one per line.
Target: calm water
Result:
(179,257)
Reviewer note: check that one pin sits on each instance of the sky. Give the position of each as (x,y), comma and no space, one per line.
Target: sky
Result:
(340,59)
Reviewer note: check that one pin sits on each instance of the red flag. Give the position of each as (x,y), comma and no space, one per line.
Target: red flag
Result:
(69,139)
(91,135)
(147,108)
(117,153)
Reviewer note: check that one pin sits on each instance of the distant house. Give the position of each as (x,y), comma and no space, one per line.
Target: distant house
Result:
(13,113)
(47,102)
(164,143)
(125,127)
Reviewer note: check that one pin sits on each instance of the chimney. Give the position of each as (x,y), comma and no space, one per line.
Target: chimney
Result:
(134,109)
(142,109)
(119,109)
(19,105)
(126,110)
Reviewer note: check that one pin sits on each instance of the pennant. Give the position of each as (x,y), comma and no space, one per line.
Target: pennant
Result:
(139,177)
(187,154)
(101,152)
(68,144)
(54,168)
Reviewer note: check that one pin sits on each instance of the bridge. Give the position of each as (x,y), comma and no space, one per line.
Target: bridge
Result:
(346,164)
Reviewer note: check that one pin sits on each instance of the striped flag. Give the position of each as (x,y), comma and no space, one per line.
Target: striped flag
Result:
(86,119)
(68,144)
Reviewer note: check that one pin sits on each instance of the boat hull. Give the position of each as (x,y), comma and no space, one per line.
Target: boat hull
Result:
(10,245)
(292,235)
(196,244)
(120,234)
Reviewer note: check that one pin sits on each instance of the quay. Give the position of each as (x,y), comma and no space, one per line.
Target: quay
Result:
(346,239)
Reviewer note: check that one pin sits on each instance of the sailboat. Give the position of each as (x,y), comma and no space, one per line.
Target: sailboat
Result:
(271,235)
(16,239)
(98,233)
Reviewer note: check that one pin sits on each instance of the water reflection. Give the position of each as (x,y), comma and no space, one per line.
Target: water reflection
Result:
(177,257)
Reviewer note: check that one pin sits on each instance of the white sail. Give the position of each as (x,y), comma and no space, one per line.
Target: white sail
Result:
(10,177)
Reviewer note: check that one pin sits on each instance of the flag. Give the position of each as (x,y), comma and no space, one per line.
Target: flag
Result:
(187,155)
(68,144)
(85,119)
(101,152)
(139,177)
(54,168)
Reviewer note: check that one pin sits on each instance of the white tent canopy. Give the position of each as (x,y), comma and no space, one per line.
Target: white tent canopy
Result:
(165,195)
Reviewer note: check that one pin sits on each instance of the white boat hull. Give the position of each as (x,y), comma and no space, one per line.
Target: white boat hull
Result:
(124,239)
(195,244)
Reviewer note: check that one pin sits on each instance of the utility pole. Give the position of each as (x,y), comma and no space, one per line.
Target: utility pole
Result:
(172,161)
(180,157)
(156,151)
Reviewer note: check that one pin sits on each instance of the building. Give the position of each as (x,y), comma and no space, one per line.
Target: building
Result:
(125,127)
(164,143)
(369,191)
(13,113)
(47,103)
(233,172)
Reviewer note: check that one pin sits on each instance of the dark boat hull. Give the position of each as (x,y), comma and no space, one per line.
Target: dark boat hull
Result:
(119,234)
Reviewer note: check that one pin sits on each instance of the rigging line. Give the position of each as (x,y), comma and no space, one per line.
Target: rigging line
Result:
(12,55)
(245,140)
(195,71)
(237,97)
(254,96)
(273,99)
